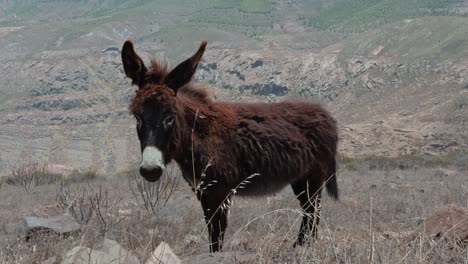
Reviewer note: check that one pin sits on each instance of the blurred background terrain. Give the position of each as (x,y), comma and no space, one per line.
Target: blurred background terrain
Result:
(394,73)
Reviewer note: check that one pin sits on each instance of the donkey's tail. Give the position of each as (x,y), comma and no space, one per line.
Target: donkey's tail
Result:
(332,186)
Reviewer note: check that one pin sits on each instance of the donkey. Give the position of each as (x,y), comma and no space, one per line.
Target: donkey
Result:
(225,148)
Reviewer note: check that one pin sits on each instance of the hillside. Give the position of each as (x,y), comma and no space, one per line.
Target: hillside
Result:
(397,85)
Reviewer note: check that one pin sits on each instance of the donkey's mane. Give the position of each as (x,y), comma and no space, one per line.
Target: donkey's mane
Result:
(156,74)
(196,92)
(157,71)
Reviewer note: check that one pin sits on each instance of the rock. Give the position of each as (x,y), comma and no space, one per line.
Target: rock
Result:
(63,225)
(78,255)
(441,172)
(264,89)
(110,253)
(111,50)
(222,257)
(163,255)
(257,63)
(52,260)
(117,252)
(450,223)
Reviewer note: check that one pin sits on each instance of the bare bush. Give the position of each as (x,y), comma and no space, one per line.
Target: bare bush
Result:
(75,203)
(152,196)
(102,203)
(32,175)
(87,203)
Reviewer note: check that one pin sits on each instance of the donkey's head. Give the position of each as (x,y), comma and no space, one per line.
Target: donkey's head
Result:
(154,106)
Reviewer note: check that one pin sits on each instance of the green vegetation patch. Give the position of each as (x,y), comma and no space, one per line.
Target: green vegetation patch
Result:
(248,6)
(255,6)
(225,4)
(360,15)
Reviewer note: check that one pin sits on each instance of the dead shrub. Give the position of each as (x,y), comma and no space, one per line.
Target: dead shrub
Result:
(32,175)
(76,203)
(152,196)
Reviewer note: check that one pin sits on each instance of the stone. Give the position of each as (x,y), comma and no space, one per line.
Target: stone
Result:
(109,253)
(441,172)
(52,260)
(117,253)
(78,255)
(62,225)
(163,255)
(449,223)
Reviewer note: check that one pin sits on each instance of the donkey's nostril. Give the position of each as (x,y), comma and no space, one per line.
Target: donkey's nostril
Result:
(152,174)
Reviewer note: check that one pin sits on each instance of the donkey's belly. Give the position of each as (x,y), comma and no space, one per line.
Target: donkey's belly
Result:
(260,186)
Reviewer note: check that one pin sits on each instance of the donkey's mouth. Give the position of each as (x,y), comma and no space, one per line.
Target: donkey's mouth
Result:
(152,175)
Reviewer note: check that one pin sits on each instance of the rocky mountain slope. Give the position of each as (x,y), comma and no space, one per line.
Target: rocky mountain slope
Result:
(395,89)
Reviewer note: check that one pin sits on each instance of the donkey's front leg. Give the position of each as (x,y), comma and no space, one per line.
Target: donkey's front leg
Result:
(215,208)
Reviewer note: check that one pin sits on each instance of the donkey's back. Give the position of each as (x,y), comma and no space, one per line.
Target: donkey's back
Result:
(281,143)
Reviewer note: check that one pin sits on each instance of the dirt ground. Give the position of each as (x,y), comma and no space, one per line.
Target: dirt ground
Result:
(379,208)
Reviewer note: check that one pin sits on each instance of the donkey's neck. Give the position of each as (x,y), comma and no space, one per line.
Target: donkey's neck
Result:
(193,128)
(200,124)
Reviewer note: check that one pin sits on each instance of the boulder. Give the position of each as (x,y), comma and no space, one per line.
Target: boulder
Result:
(62,225)
(109,253)
(52,260)
(163,255)
(450,223)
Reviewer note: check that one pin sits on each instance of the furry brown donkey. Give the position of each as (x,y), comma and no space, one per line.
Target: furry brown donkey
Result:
(225,148)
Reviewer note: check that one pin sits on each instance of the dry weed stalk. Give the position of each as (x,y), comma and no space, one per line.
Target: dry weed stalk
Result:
(75,203)
(32,175)
(152,196)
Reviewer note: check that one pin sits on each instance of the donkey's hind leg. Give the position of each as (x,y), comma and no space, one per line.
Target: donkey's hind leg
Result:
(309,193)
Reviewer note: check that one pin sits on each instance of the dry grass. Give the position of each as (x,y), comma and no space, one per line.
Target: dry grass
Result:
(30,176)
(34,174)
(153,196)
(380,207)
(458,160)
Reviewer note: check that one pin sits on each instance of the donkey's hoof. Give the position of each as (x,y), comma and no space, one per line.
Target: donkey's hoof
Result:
(301,242)
(298,243)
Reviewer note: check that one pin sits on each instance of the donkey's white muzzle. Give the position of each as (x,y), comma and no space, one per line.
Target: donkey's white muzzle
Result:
(152,159)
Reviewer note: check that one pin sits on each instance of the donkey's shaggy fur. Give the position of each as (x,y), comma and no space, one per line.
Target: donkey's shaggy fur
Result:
(225,148)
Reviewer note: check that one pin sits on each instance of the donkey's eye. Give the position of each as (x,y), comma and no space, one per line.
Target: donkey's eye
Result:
(169,121)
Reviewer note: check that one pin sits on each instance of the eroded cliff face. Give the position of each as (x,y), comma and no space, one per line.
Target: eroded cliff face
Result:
(392,90)
(73,108)
(385,106)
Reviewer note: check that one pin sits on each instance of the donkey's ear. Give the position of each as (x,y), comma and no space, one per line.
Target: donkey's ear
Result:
(183,73)
(133,65)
